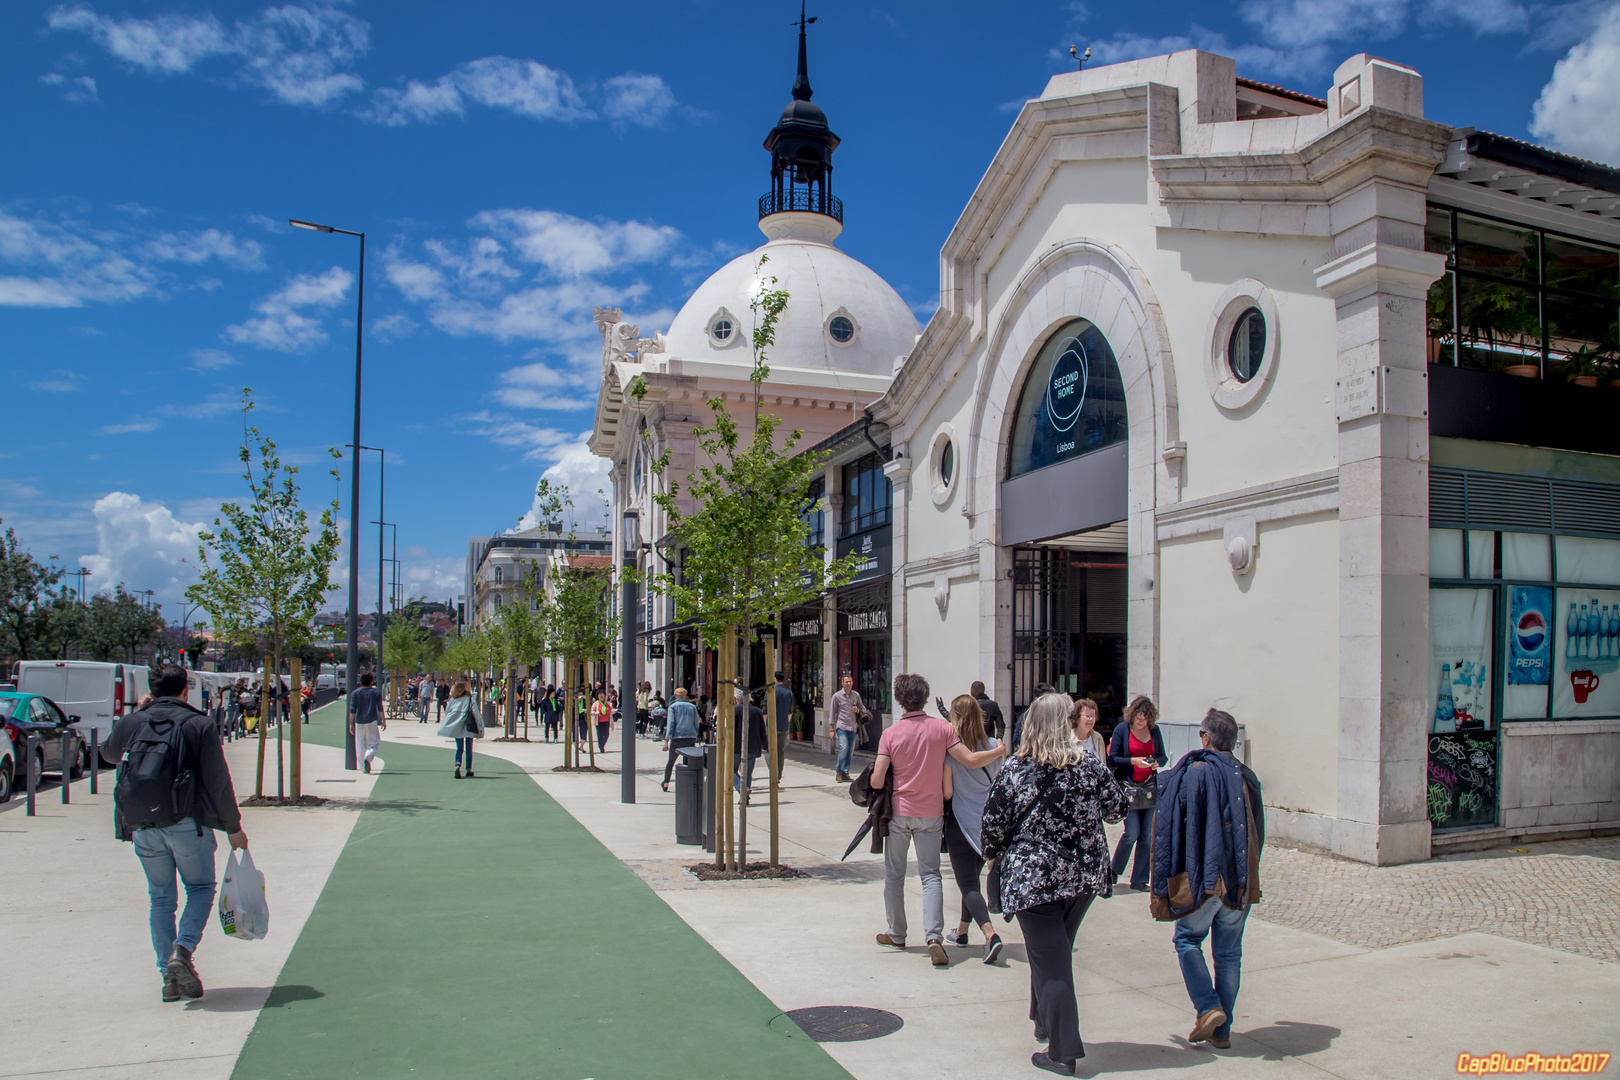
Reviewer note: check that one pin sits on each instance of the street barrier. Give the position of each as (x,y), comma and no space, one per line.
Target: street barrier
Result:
(95,758)
(67,766)
(33,772)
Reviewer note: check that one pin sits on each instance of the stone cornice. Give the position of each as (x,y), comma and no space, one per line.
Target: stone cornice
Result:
(961,563)
(1377,266)
(1297,496)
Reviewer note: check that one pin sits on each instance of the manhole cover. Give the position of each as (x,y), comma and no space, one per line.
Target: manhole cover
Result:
(845,1023)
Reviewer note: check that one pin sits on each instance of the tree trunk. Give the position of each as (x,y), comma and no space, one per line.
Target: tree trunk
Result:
(264,712)
(772,745)
(725,694)
(525,670)
(570,757)
(296,696)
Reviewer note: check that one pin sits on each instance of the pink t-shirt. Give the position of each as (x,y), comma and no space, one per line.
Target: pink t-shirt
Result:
(915,746)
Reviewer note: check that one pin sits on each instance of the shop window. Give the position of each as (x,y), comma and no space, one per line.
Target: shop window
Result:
(1526,556)
(1588,560)
(1072,402)
(868,494)
(1586,679)
(1481,554)
(1445,553)
(814,513)
(1460,659)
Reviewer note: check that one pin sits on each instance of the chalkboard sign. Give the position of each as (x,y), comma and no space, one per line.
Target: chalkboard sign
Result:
(1462,779)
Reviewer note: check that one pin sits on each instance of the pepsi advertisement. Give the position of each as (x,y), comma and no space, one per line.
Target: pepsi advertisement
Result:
(1531,636)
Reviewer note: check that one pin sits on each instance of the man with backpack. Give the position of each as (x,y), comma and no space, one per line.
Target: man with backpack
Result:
(173,791)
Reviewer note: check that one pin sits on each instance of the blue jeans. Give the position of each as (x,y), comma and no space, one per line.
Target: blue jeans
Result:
(461,746)
(1227,950)
(846,747)
(163,852)
(1138,831)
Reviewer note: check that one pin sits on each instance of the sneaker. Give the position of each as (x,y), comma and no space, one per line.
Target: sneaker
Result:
(936,952)
(469,772)
(992,949)
(1206,1025)
(1139,888)
(953,938)
(368,766)
(458,772)
(1042,1060)
(891,942)
(171,989)
(184,973)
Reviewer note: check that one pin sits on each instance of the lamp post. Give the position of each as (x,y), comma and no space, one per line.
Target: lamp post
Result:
(354,489)
(631,537)
(185,624)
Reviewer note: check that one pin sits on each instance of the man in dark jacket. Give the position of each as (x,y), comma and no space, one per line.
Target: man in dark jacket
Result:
(187,846)
(1207,838)
(994,722)
(755,738)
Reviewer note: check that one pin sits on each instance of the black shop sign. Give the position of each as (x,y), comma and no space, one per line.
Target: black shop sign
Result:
(873,548)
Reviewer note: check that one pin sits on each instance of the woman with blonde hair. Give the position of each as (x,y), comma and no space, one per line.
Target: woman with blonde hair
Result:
(1043,823)
(967,789)
(461,723)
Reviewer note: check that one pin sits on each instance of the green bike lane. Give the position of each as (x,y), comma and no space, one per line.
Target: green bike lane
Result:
(474,928)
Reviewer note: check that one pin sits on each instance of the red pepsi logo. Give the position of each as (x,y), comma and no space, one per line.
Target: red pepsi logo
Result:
(1532,631)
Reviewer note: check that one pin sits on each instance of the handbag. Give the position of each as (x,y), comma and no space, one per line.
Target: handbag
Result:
(1145,796)
(992,881)
(474,728)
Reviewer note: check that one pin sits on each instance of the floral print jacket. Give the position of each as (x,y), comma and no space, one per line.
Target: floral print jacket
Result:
(1056,849)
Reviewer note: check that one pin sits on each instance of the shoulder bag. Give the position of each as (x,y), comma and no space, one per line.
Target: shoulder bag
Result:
(992,881)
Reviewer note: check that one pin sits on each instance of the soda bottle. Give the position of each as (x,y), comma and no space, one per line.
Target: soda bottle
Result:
(1572,634)
(1445,710)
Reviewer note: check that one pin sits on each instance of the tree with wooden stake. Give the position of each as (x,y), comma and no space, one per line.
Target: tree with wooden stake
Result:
(523,639)
(264,570)
(404,644)
(747,555)
(577,621)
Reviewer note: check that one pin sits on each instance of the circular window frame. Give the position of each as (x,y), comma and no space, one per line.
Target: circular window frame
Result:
(1224,386)
(736,330)
(939,488)
(826,329)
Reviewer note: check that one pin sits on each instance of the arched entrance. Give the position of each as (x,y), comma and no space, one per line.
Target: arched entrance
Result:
(1064,507)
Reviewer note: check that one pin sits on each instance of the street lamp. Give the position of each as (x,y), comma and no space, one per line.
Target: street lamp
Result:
(185,624)
(631,537)
(354,487)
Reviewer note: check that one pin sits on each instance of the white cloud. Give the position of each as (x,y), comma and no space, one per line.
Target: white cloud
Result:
(69,262)
(644,100)
(584,474)
(142,545)
(79,88)
(299,54)
(211,359)
(131,427)
(572,247)
(281,325)
(540,386)
(1576,112)
(395,327)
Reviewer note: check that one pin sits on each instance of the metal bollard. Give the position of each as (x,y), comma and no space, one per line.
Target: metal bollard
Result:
(33,774)
(67,766)
(95,758)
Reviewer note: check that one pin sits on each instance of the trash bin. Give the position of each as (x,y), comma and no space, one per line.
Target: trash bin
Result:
(489,715)
(689,796)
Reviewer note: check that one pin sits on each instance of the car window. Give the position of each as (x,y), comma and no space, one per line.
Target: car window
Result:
(36,711)
(53,713)
(8,707)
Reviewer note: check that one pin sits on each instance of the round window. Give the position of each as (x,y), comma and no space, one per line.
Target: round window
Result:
(947,462)
(721,330)
(842,328)
(1247,346)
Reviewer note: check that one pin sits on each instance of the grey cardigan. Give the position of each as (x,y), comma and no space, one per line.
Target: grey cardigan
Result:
(971,787)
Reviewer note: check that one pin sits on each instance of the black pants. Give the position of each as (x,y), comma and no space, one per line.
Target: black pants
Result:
(602,737)
(674,753)
(1049,931)
(966,866)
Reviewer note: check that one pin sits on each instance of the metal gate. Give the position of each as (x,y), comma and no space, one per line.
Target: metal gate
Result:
(1044,617)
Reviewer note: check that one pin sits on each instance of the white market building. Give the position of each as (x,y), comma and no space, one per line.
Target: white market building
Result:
(1235,397)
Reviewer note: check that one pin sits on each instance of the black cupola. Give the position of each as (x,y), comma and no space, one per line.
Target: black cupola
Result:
(801,147)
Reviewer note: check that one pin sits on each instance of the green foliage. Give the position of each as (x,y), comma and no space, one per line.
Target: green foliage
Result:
(746,554)
(119,624)
(404,645)
(264,572)
(25,601)
(576,620)
(522,628)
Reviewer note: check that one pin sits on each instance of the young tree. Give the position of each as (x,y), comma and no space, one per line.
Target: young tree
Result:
(25,601)
(523,637)
(403,646)
(264,570)
(118,625)
(746,550)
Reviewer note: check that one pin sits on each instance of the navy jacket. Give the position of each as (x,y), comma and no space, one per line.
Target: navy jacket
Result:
(1208,830)
(1119,752)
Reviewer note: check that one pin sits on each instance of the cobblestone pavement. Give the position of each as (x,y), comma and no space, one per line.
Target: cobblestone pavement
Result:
(1564,895)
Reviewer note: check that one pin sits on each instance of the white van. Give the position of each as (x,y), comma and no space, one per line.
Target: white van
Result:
(96,693)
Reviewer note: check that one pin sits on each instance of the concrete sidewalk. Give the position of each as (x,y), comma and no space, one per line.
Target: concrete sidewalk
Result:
(84,980)
(1311,1005)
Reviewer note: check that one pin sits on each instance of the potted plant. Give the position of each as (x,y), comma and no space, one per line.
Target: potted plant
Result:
(1582,368)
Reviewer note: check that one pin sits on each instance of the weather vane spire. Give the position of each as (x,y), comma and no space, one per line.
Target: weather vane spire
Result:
(801,85)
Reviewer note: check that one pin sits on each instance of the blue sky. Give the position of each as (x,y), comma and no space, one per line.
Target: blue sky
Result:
(514,165)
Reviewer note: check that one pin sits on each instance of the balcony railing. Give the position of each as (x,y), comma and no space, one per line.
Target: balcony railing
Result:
(808,200)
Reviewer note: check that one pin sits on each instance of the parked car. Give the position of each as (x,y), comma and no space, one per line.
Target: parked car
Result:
(22,713)
(8,765)
(98,692)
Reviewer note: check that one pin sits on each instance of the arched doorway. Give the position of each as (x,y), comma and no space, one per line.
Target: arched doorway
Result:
(1063,500)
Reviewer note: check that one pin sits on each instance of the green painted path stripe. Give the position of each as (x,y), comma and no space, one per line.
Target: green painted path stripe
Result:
(474,928)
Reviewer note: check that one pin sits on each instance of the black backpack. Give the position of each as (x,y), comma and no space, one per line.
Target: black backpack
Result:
(157,786)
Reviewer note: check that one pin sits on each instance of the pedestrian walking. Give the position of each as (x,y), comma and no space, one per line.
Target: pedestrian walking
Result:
(424,700)
(643,708)
(1083,722)
(680,731)
(1206,870)
(462,724)
(441,695)
(750,739)
(366,720)
(784,716)
(994,723)
(969,788)
(1043,824)
(911,765)
(1135,753)
(844,703)
(602,717)
(171,817)
(550,713)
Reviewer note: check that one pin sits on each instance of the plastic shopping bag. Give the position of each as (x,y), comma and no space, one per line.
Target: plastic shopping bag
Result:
(243,913)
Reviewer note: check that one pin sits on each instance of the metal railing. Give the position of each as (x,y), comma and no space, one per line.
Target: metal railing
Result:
(812,200)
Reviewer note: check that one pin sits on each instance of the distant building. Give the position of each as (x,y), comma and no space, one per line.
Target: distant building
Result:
(513,567)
